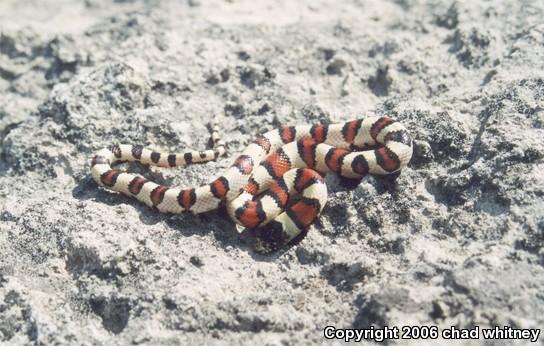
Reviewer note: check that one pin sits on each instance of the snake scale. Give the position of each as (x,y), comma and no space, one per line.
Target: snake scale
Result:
(275,187)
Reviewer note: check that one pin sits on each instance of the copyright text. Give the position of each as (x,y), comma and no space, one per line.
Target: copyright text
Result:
(430,332)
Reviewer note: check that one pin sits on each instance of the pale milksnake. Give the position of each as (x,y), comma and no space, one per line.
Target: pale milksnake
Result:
(285,192)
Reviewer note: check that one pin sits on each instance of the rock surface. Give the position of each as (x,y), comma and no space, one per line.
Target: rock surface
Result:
(457,239)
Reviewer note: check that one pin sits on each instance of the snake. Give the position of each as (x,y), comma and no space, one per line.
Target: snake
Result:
(275,187)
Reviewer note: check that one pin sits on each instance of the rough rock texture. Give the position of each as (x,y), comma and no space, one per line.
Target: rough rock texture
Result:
(457,239)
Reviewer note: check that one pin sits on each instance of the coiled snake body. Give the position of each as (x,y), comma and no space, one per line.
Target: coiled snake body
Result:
(259,187)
